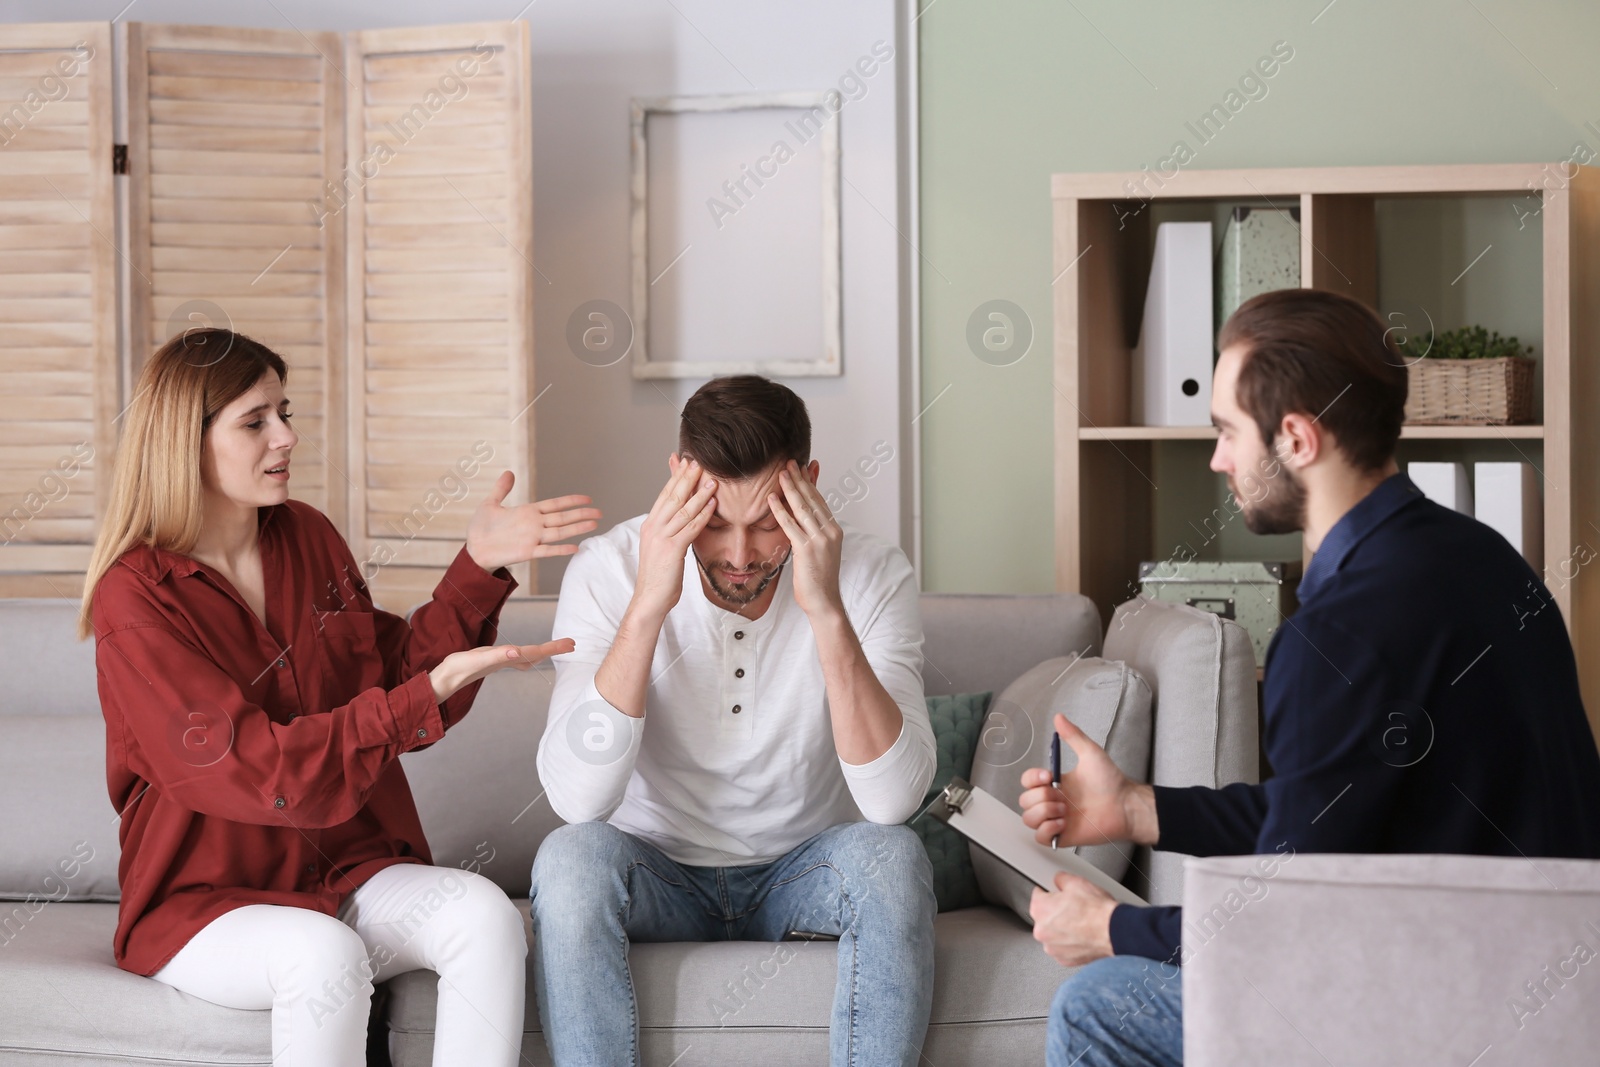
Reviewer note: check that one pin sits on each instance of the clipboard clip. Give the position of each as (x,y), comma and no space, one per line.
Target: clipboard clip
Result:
(952,801)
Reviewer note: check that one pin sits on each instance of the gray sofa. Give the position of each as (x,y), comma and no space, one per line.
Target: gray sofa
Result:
(1339,959)
(62,999)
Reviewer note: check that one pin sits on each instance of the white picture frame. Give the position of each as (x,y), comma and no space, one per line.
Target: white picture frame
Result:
(829,349)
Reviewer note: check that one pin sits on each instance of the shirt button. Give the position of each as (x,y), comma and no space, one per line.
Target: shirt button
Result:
(739,673)
(311,868)
(738,635)
(422,732)
(736,709)
(278,803)
(281,663)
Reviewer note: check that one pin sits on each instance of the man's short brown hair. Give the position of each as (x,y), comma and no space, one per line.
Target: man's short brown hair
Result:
(741,425)
(1324,355)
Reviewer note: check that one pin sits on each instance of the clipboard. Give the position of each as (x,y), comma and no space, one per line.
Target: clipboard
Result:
(989,823)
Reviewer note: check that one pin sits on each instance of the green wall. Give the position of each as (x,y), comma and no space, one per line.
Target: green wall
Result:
(1015,90)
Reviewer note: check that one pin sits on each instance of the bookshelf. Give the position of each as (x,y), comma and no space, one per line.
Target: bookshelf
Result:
(1109,512)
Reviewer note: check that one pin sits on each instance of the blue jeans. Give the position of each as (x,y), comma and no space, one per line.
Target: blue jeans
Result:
(1121,1011)
(596,888)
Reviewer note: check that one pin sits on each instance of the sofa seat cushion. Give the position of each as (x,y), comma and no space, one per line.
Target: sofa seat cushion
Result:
(63,999)
(770,1001)
(62,993)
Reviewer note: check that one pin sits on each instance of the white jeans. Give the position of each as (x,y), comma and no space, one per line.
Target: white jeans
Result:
(316,972)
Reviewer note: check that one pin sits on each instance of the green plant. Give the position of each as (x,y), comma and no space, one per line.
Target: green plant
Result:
(1473,342)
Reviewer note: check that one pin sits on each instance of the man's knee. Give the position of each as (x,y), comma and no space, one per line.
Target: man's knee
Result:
(579,865)
(885,866)
(1110,994)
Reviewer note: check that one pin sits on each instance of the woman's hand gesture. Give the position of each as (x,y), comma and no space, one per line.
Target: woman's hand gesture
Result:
(460,669)
(498,536)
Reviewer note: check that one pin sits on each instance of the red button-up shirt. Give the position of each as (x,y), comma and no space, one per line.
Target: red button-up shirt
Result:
(258,765)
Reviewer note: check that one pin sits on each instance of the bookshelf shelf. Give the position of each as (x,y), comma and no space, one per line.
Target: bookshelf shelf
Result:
(1106,471)
(1471,433)
(1207,433)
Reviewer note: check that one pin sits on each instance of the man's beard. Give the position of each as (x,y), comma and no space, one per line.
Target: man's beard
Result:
(740,594)
(1281,511)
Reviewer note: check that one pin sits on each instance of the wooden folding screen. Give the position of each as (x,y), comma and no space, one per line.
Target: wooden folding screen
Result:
(58,390)
(234,138)
(361,203)
(441,294)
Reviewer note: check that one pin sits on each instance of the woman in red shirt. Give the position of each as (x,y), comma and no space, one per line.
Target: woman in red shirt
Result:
(256,704)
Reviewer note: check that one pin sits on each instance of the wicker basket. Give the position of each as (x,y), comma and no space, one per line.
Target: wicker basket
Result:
(1487,392)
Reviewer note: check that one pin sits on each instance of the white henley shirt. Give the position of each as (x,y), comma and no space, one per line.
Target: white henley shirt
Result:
(733,762)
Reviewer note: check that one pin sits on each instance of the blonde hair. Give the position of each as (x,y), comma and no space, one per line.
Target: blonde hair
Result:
(156,486)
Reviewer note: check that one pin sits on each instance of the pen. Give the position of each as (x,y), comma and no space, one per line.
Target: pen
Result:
(1055,770)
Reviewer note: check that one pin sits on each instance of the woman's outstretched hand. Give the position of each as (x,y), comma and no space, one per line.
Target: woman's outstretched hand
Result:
(461,669)
(499,536)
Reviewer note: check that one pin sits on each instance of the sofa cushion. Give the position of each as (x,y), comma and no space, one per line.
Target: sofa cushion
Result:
(1202,675)
(62,995)
(978,642)
(478,793)
(769,1002)
(956,721)
(58,837)
(61,680)
(1109,701)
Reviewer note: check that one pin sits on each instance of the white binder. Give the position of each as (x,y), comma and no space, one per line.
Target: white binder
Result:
(1172,363)
(1509,500)
(1444,483)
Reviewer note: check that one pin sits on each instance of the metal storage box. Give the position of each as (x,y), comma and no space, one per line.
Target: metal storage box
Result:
(1258,596)
(1260,252)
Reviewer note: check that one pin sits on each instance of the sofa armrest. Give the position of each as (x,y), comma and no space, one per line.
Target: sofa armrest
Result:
(1317,959)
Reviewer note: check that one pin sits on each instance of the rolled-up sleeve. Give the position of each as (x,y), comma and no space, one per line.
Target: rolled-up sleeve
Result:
(589,748)
(890,788)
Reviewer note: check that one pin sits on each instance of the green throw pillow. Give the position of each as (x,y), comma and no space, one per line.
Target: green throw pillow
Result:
(956,721)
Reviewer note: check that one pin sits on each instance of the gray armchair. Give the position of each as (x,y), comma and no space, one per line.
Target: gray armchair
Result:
(1474,961)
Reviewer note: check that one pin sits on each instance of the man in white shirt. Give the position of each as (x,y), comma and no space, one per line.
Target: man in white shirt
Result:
(736,744)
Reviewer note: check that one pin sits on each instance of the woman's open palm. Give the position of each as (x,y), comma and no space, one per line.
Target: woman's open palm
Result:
(461,669)
(499,535)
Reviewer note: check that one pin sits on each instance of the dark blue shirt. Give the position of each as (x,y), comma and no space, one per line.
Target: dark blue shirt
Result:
(1424,699)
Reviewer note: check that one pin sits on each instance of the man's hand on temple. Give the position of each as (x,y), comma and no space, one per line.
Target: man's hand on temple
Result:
(815,538)
(684,506)
(682,509)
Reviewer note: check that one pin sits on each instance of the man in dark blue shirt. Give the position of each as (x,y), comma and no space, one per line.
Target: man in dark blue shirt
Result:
(1424,698)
